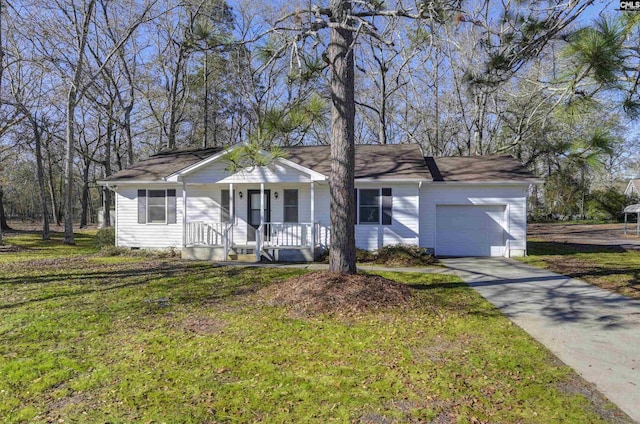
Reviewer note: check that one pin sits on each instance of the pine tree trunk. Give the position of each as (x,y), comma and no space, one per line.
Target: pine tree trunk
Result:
(342,254)
(205,137)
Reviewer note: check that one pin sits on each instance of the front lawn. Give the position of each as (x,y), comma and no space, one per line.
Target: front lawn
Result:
(609,267)
(93,339)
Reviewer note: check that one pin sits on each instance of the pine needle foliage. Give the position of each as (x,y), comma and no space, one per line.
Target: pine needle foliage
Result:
(251,155)
(599,50)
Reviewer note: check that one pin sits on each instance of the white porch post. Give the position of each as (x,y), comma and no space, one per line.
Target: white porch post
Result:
(261,203)
(229,225)
(313,219)
(260,228)
(184,214)
(232,211)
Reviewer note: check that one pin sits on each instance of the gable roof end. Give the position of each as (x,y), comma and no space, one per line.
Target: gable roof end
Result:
(633,186)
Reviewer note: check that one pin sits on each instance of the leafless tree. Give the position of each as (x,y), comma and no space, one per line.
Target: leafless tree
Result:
(69,53)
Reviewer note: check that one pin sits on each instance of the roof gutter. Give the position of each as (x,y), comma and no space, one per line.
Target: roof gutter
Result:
(107,184)
(390,180)
(493,182)
(136,182)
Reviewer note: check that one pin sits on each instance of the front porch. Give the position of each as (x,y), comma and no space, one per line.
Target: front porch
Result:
(274,241)
(250,222)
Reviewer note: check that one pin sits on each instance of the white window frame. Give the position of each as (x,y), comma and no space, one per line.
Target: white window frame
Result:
(379,190)
(149,222)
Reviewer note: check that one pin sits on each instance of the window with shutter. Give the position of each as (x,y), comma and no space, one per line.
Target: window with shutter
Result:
(369,210)
(157,206)
(375,206)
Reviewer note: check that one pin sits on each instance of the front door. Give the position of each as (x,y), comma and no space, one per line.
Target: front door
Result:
(254,211)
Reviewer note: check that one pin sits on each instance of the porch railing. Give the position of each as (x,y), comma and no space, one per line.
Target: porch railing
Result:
(199,233)
(286,234)
(269,235)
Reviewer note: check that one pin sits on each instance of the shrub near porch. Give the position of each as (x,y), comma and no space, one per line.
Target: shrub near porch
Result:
(88,338)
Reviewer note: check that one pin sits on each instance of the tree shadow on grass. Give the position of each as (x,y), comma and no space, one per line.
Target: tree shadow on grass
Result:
(623,278)
(184,282)
(561,248)
(442,285)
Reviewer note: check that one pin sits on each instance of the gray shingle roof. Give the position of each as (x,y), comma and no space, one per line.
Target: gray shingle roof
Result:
(373,161)
(478,168)
(162,165)
(382,162)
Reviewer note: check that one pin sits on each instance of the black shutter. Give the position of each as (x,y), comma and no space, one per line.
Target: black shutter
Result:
(171,206)
(142,206)
(387,206)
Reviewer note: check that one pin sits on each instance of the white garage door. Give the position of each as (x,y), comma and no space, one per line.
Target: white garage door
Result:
(470,230)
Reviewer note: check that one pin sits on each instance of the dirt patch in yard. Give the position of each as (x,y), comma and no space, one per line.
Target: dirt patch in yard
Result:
(324,292)
(599,254)
(203,325)
(590,234)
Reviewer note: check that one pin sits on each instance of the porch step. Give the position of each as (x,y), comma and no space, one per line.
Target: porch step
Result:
(246,257)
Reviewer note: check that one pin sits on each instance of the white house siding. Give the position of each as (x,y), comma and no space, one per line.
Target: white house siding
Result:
(275,173)
(513,197)
(404,225)
(154,236)
(203,203)
(322,202)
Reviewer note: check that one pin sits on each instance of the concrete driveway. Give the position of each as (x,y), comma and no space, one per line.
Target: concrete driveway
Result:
(595,332)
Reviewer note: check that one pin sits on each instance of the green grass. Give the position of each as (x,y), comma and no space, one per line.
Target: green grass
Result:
(33,247)
(609,267)
(92,339)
